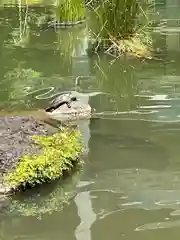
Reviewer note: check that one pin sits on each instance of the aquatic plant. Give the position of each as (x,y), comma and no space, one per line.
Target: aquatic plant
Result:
(59,153)
(70,10)
(121,26)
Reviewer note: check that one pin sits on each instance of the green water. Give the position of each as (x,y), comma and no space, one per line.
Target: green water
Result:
(129,187)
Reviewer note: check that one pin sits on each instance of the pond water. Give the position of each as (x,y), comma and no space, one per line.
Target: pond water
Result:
(129,187)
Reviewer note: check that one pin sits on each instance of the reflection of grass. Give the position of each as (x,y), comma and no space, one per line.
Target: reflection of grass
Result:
(118,79)
(10,3)
(49,199)
(21,35)
(66,44)
(69,42)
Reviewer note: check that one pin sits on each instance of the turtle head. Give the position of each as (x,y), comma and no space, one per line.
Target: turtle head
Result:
(50,109)
(73,99)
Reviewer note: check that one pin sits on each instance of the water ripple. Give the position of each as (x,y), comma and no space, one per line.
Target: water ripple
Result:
(157,225)
(41,96)
(48,90)
(155,106)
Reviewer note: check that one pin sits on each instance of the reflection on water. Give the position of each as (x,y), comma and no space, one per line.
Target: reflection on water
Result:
(42,201)
(129,187)
(86,214)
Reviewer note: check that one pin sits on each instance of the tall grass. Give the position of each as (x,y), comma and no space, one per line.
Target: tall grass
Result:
(121,18)
(70,10)
(118,21)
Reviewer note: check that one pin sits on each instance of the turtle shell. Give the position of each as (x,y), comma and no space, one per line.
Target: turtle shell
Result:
(62,97)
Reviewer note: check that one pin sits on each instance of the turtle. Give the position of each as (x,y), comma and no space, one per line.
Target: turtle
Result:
(63,98)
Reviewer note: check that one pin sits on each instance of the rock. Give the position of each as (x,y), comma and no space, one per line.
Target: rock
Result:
(4,190)
(78,111)
(15,139)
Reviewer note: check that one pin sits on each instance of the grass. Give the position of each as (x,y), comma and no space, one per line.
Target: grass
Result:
(70,10)
(121,26)
(59,153)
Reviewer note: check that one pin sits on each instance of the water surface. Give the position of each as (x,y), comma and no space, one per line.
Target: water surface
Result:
(129,187)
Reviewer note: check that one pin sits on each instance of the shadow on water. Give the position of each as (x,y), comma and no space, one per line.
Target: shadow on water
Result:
(129,187)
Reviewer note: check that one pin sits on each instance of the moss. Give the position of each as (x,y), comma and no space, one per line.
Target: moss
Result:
(59,153)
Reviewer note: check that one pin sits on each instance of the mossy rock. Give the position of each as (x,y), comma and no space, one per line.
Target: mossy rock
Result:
(15,141)
(59,153)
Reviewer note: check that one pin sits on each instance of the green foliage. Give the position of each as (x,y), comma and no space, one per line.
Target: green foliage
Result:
(59,153)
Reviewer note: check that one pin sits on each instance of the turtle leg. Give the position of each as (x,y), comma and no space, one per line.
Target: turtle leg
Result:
(68,104)
(72,99)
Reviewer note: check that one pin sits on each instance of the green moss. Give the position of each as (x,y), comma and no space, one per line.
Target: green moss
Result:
(59,153)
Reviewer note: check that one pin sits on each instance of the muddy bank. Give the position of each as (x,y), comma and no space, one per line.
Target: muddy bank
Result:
(15,139)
